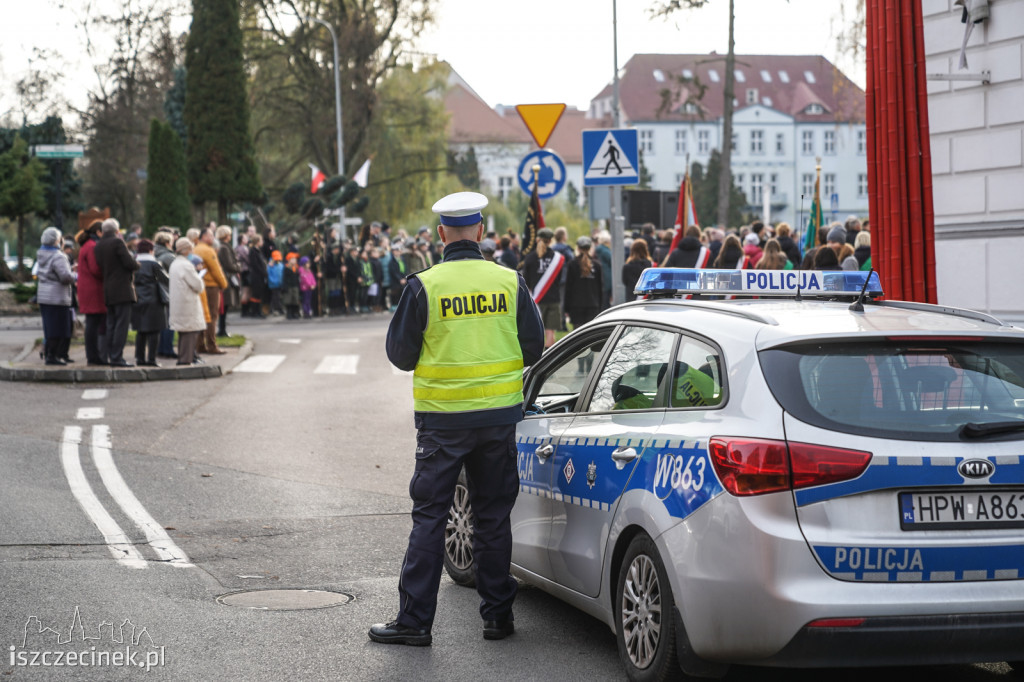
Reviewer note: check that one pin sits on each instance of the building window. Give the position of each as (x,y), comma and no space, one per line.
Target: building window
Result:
(690,108)
(756,188)
(810,77)
(647,141)
(829,186)
(783,76)
(751,95)
(505,183)
(862,141)
(740,76)
(757,142)
(703,141)
(737,179)
(807,185)
(814,109)
(780,143)
(713,75)
(807,142)
(659,75)
(679,179)
(766,75)
(735,142)
(775,183)
(681,147)
(862,185)
(830,142)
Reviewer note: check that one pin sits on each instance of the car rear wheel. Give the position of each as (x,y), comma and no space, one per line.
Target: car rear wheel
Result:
(644,606)
(458,537)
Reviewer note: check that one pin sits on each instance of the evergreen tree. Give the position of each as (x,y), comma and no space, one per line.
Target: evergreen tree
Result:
(167,183)
(21,188)
(221,164)
(174,104)
(705,193)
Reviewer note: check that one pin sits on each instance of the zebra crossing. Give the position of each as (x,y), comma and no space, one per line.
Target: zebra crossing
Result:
(330,364)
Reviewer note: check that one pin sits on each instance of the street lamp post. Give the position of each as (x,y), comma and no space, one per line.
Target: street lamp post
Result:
(337,106)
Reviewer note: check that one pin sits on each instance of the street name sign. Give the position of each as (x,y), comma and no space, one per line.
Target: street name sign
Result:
(58,151)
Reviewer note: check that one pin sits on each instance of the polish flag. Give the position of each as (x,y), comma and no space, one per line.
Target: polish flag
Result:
(318,179)
(362,175)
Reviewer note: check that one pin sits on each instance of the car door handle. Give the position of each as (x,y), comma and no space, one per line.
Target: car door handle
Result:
(543,452)
(623,456)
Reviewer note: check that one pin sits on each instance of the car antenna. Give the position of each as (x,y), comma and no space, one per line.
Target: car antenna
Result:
(800,222)
(858,305)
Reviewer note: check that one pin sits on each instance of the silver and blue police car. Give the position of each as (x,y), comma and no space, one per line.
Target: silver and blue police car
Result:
(779,469)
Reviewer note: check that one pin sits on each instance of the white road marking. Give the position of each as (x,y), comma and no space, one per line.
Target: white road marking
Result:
(260,363)
(293,341)
(337,364)
(395,370)
(119,544)
(130,505)
(94,394)
(90,413)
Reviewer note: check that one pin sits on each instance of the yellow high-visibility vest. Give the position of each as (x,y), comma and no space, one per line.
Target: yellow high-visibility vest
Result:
(471,359)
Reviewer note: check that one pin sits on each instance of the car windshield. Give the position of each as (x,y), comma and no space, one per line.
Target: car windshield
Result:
(906,389)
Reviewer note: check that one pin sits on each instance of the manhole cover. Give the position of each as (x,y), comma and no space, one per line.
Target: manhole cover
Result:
(285,600)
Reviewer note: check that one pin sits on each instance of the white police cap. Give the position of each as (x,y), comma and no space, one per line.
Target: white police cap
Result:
(461,209)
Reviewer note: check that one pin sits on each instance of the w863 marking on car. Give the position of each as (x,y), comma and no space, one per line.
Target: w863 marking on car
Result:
(679,472)
(680,475)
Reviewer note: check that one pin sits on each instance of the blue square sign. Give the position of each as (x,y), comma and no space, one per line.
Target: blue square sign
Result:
(610,157)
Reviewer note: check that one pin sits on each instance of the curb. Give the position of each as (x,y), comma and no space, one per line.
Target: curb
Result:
(125,375)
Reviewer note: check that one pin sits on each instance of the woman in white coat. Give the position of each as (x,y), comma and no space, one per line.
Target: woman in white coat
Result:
(186,310)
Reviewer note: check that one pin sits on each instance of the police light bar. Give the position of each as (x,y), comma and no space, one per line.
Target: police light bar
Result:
(812,283)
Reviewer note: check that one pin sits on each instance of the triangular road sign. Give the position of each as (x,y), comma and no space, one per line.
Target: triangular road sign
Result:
(540,120)
(610,161)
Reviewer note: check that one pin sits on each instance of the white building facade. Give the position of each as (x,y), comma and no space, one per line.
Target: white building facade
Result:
(786,115)
(977,144)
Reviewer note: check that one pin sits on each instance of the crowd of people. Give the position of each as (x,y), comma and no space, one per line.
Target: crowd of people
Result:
(185,284)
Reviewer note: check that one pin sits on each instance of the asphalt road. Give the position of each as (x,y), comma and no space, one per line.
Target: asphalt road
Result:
(294,478)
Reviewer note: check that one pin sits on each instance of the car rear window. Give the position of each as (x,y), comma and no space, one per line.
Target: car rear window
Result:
(906,389)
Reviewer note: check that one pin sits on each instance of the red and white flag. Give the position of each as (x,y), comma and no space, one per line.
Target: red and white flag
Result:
(544,283)
(318,179)
(686,211)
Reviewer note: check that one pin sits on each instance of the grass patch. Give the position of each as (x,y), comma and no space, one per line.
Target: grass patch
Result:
(233,341)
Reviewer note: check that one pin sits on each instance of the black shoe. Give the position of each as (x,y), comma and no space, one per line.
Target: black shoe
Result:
(120,363)
(148,364)
(98,363)
(67,360)
(499,629)
(173,356)
(396,633)
(55,361)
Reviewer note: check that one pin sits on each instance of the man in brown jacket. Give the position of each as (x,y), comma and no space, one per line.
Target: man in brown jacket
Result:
(215,281)
(118,266)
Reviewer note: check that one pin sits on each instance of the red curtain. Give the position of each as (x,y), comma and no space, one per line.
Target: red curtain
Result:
(899,151)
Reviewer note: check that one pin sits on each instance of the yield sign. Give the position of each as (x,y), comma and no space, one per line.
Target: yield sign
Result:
(540,120)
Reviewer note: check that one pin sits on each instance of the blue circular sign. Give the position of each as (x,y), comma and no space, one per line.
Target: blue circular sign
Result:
(551,178)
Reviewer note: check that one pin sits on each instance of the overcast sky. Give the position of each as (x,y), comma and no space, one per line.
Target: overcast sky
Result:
(509,51)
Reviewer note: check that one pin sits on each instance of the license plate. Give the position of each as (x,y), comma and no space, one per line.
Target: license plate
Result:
(961,509)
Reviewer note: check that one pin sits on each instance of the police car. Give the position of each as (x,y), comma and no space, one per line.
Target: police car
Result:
(779,469)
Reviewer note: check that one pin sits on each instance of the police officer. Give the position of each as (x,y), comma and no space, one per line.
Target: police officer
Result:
(468,327)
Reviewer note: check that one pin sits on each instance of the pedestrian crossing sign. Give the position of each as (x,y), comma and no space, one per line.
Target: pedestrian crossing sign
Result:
(610,157)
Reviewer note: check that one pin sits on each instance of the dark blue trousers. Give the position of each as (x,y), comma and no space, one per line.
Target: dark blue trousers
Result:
(489,455)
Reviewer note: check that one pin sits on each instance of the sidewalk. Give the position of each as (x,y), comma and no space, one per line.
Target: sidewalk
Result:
(21,362)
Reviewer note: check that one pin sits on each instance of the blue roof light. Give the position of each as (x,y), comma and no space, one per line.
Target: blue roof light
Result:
(811,283)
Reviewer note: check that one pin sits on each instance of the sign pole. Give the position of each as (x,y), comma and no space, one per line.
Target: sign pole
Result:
(618,221)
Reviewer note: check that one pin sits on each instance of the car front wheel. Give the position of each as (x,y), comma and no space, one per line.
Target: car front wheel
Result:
(458,537)
(644,604)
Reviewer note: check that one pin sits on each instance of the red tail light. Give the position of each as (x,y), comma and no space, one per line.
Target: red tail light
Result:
(750,466)
(836,623)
